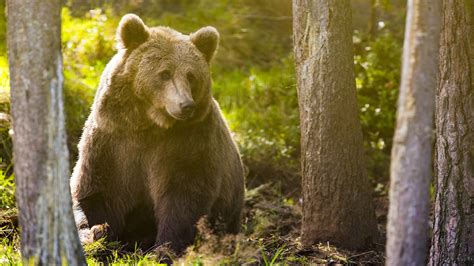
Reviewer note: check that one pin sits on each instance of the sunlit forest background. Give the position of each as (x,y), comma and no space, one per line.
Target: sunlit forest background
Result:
(253,79)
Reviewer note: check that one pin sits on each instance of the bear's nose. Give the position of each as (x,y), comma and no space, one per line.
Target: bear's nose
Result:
(187,107)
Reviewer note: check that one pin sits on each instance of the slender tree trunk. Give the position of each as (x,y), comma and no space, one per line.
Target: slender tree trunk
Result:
(48,233)
(410,171)
(372,20)
(453,229)
(337,205)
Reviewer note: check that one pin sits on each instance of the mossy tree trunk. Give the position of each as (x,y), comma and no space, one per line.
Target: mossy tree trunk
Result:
(453,229)
(411,165)
(48,233)
(337,202)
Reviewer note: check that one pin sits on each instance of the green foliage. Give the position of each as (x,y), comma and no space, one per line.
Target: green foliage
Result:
(4,74)
(5,140)
(377,77)
(242,35)
(274,259)
(261,107)
(7,191)
(252,31)
(87,46)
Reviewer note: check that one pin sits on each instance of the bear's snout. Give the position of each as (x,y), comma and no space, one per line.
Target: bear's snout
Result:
(187,108)
(181,110)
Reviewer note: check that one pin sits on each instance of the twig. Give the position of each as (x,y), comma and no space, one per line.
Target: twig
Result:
(362,254)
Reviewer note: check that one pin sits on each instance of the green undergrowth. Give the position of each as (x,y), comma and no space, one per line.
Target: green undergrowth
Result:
(9,235)
(261,107)
(7,191)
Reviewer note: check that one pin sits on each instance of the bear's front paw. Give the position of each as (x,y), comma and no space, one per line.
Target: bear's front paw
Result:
(85,236)
(99,231)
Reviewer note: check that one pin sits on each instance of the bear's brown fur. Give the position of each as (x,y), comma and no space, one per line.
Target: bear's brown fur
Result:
(156,154)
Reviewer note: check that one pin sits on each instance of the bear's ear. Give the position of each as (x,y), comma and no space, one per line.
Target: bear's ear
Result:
(131,32)
(206,40)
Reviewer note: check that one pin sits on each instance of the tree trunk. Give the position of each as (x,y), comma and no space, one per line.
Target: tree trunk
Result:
(337,205)
(453,229)
(410,171)
(372,20)
(48,233)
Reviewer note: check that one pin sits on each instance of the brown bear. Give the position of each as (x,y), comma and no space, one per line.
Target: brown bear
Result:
(156,154)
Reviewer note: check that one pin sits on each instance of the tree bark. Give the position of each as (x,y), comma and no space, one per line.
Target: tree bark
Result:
(453,229)
(337,205)
(410,171)
(48,233)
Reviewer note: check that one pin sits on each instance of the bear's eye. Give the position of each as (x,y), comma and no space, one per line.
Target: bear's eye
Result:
(191,78)
(165,75)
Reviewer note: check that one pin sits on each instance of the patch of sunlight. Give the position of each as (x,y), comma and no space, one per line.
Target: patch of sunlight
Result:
(4,78)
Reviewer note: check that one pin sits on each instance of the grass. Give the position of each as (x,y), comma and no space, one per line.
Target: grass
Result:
(9,235)
(9,253)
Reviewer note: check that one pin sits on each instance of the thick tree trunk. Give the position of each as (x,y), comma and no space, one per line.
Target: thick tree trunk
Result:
(453,230)
(337,205)
(410,171)
(48,233)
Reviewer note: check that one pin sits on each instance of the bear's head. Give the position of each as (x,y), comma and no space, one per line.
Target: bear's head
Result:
(169,71)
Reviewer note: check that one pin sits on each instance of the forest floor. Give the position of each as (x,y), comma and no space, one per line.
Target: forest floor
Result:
(270,235)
